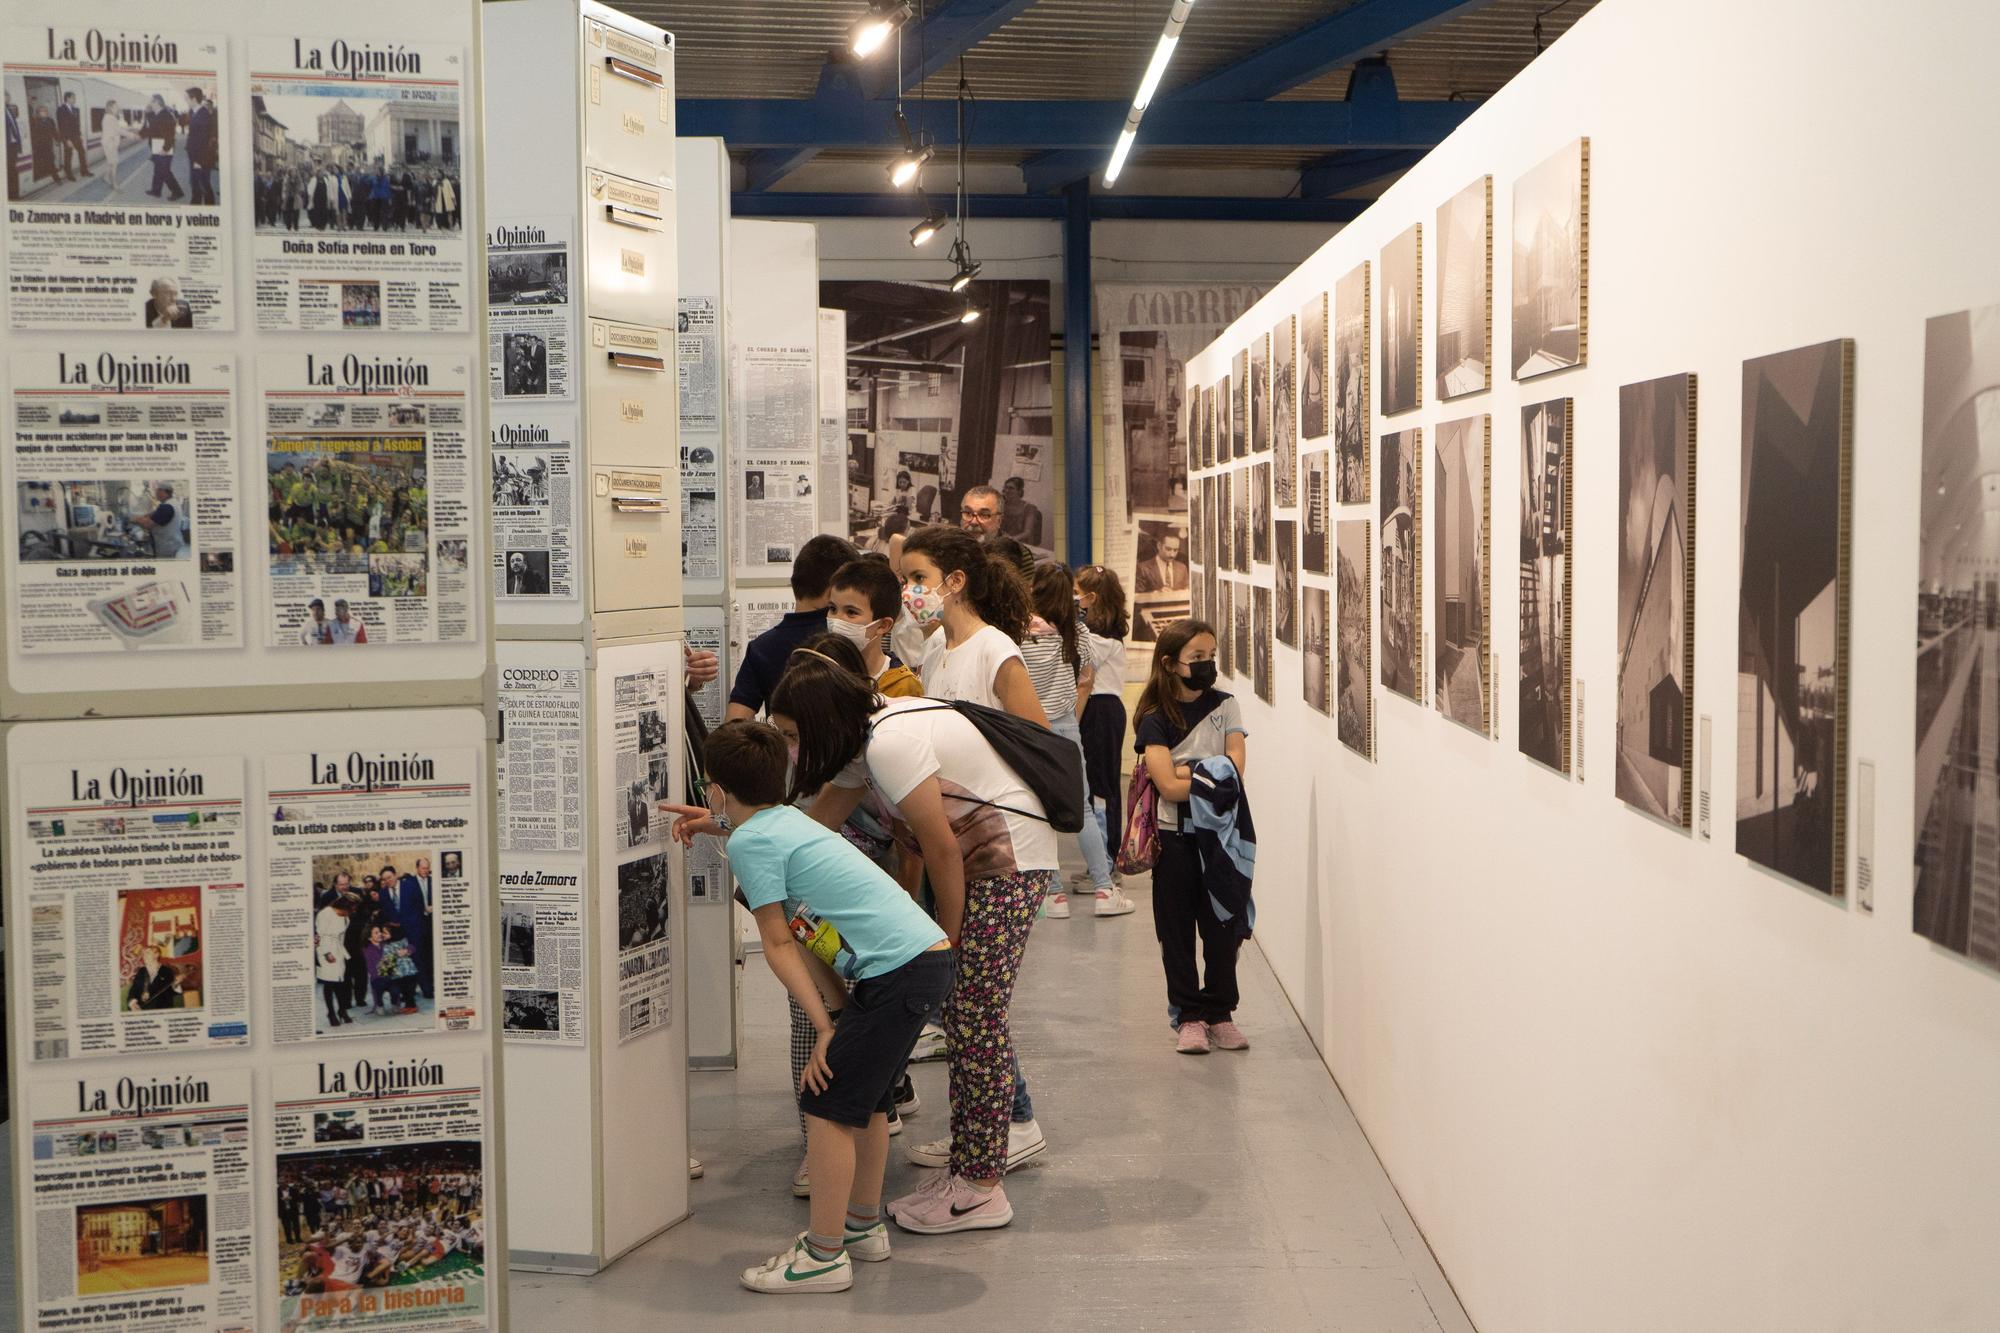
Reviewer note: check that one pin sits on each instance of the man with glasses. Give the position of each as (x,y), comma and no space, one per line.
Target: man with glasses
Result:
(979,511)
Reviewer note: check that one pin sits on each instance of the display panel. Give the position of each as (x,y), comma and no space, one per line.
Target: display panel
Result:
(1239,411)
(1260,641)
(1465,291)
(1285,612)
(1545,583)
(1355,697)
(1791,725)
(1402,369)
(1314,375)
(1317,515)
(1656,451)
(1284,415)
(1260,393)
(1551,264)
(1402,500)
(1260,513)
(1352,404)
(1316,611)
(1461,530)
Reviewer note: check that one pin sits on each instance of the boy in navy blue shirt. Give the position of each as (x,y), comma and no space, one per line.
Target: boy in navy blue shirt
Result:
(765,659)
(795,873)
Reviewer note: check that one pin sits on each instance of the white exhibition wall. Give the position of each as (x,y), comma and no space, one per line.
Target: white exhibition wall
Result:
(1623,1079)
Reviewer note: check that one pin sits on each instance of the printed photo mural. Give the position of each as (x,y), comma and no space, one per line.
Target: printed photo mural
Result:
(1284,415)
(1355,691)
(1465,291)
(1545,583)
(1351,399)
(1402,562)
(1402,368)
(1462,562)
(1551,254)
(1314,368)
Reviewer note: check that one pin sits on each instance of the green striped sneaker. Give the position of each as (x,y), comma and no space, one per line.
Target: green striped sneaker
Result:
(796,1270)
(870,1246)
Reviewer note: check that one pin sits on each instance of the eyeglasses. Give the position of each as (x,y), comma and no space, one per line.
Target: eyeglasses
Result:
(968,511)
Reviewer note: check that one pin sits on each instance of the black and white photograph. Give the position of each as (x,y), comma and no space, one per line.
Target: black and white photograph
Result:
(1958,639)
(517,934)
(1461,573)
(1551,280)
(936,406)
(643,901)
(1315,370)
(1151,411)
(1284,414)
(1545,583)
(1225,628)
(1318,644)
(1239,408)
(1205,427)
(1260,513)
(1401,372)
(1791,612)
(1656,432)
(1260,393)
(524,366)
(518,485)
(1284,613)
(451,555)
(1161,591)
(354,159)
(1240,608)
(528,278)
(1465,291)
(1316,515)
(636,828)
(1260,641)
(525,574)
(1240,519)
(1402,562)
(753,484)
(531,1010)
(1354,691)
(1352,405)
(113,136)
(1225,527)
(145,519)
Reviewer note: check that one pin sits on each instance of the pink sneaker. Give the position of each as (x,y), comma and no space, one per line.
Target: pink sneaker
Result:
(1228,1037)
(1193,1038)
(958,1207)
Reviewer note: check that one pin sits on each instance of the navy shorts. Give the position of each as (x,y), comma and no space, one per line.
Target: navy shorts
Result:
(872,1041)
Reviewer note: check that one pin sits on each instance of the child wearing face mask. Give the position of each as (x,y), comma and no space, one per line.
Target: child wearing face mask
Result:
(765,657)
(866,595)
(981,603)
(1183,719)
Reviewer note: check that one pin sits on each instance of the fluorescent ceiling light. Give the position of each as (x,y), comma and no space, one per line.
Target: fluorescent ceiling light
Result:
(1156,71)
(1149,86)
(1119,153)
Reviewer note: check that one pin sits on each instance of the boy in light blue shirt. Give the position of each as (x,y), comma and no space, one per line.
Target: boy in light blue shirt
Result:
(898,969)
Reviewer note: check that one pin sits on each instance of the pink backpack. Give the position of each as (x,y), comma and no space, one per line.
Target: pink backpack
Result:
(1141,847)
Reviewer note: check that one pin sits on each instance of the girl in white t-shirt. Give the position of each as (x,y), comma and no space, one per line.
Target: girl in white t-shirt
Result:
(980,607)
(1102,598)
(991,858)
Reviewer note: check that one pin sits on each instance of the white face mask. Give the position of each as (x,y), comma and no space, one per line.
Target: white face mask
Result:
(858,635)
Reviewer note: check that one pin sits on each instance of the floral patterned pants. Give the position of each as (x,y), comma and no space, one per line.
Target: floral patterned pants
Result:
(999,912)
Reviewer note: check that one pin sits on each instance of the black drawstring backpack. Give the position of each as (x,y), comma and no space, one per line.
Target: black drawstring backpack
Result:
(1048,765)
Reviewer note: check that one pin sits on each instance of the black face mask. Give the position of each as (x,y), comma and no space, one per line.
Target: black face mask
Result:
(1200,675)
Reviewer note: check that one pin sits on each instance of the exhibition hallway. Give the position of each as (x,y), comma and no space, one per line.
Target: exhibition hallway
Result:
(1227,1191)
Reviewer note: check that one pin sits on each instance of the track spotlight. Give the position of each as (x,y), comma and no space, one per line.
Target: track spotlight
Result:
(873,32)
(963,278)
(971,315)
(932,224)
(908,163)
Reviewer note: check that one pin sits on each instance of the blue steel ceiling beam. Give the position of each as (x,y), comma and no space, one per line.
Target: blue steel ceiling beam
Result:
(1174,208)
(949,30)
(771,165)
(854,123)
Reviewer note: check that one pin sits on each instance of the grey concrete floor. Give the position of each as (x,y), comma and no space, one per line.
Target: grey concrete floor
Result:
(1232,1191)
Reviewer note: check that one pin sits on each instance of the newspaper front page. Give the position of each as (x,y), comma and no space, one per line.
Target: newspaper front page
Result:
(699,344)
(358,148)
(140,1182)
(643,763)
(534,506)
(381,1181)
(119,210)
(542,964)
(137,924)
(375,885)
(541,757)
(125,501)
(776,459)
(368,480)
(530,323)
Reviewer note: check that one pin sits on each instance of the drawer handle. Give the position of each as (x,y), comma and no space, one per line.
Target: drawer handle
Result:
(629,217)
(639,504)
(638,361)
(637,73)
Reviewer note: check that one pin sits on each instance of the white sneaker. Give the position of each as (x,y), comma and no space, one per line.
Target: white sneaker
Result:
(1113,902)
(802,1185)
(930,1044)
(695,1169)
(870,1246)
(1057,907)
(1024,1143)
(796,1270)
(895,1124)
(935,1153)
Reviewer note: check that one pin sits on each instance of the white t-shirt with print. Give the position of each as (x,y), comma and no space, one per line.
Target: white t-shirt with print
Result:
(1107,659)
(967,671)
(914,739)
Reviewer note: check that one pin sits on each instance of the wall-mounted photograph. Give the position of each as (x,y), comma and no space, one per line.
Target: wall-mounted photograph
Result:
(1239,410)
(1355,693)
(1225,527)
(1284,614)
(1240,519)
(1460,531)
(1225,636)
(1315,371)
(1260,513)
(1402,369)
(1260,393)
(1317,516)
(1551,257)
(1545,583)
(1260,641)
(1284,414)
(1465,291)
(1315,611)
(1402,562)
(1656,436)
(1351,401)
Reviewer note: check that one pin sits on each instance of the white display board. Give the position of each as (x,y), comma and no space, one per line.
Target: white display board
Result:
(773,391)
(1597,1054)
(702,196)
(149,506)
(713,978)
(186,1058)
